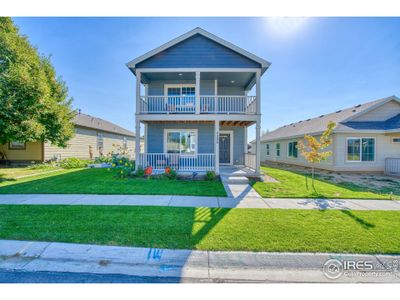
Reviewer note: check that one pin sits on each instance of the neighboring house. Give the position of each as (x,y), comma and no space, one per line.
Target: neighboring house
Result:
(366,138)
(195,107)
(93,137)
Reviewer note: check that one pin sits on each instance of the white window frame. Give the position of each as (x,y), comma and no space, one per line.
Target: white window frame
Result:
(166,131)
(268,149)
(276,149)
(178,85)
(230,132)
(99,136)
(360,138)
(395,137)
(288,145)
(125,142)
(11,147)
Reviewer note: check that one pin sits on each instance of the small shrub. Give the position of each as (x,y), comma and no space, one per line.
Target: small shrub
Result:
(103,159)
(140,171)
(210,175)
(43,166)
(126,170)
(170,173)
(73,163)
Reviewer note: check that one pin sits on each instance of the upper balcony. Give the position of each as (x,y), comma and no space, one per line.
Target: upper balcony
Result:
(208,105)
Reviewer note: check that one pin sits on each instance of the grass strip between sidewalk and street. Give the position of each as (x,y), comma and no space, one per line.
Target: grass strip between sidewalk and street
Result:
(206,228)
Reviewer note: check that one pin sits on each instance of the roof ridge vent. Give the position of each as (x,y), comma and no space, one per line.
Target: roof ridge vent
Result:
(339,111)
(357,105)
(308,120)
(321,116)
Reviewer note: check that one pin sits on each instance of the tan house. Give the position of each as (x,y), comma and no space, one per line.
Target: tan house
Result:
(366,138)
(94,137)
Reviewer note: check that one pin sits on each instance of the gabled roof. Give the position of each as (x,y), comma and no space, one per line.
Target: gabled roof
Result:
(100,124)
(343,118)
(132,64)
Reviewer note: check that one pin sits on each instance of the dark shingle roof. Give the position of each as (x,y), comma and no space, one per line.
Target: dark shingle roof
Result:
(318,124)
(100,124)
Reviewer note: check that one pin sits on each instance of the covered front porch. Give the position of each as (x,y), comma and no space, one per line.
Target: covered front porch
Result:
(198,146)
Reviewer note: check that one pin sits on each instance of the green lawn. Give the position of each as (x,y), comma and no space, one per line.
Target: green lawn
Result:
(293,185)
(102,181)
(206,228)
(11,173)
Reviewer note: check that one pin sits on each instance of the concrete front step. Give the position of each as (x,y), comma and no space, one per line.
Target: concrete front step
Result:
(236,179)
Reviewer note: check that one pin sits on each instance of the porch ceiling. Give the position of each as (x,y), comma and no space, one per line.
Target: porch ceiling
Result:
(237,79)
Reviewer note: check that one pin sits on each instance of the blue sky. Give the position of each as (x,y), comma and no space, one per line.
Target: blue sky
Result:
(318,64)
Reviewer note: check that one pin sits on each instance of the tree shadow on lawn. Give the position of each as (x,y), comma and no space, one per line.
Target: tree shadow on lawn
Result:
(365,224)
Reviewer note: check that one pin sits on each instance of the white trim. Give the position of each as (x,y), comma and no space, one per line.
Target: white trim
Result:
(176,85)
(268,149)
(360,138)
(276,149)
(166,130)
(230,132)
(198,30)
(194,70)
(393,138)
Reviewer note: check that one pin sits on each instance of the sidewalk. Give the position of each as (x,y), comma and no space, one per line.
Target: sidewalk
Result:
(250,200)
(214,266)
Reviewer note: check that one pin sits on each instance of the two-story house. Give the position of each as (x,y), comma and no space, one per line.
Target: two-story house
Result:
(196,107)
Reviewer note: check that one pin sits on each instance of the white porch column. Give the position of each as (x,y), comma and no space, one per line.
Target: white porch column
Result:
(258,146)
(137,142)
(216,146)
(197,91)
(138,79)
(245,139)
(258,92)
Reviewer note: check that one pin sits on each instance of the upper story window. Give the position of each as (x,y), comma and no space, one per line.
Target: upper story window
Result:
(360,149)
(16,145)
(177,90)
(182,141)
(292,149)
(267,149)
(278,149)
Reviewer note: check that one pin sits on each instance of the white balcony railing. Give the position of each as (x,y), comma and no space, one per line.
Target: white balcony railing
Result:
(159,161)
(250,160)
(208,105)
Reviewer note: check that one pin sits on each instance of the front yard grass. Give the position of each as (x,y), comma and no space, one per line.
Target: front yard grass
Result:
(102,181)
(293,185)
(206,228)
(12,173)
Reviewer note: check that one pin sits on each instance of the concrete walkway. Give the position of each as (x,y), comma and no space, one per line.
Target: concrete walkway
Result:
(186,264)
(250,200)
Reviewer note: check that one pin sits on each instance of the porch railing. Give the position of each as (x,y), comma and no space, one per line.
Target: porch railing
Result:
(159,161)
(392,166)
(228,104)
(250,160)
(208,104)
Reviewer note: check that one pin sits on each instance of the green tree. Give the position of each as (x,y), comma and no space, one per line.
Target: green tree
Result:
(34,103)
(312,148)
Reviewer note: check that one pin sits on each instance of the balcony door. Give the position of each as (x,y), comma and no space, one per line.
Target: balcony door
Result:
(180,98)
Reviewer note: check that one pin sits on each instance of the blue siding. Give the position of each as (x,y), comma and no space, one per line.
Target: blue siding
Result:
(155,138)
(156,87)
(198,52)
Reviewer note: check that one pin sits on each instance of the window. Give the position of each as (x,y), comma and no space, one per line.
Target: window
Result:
(292,149)
(360,149)
(125,143)
(181,141)
(396,140)
(267,149)
(278,149)
(16,145)
(99,141)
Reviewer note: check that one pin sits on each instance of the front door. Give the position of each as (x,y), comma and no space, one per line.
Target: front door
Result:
(224,148)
